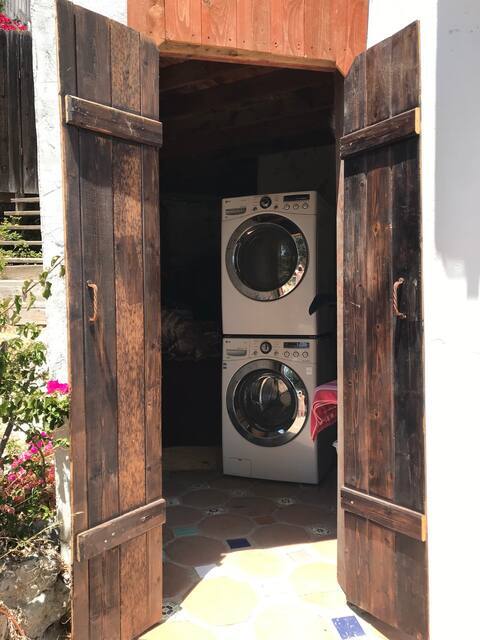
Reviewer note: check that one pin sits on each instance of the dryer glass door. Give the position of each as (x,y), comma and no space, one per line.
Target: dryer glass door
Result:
(267,403)
(267,257)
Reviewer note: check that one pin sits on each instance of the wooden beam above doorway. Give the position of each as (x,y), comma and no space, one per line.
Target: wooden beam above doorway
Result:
(308,34)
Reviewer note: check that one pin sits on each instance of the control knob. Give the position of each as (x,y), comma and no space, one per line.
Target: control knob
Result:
(265,347)
(265,202)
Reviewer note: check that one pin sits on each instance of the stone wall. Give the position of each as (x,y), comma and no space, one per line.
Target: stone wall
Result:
(36,590)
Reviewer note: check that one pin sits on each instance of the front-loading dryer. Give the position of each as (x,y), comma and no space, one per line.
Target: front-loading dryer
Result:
(278,257)
(268,386)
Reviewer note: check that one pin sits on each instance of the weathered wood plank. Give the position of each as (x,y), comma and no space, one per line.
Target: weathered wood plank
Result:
(379,82)
(219,23)
(195,73)
(183,20)
(253,25)
(111,121)
(287,24)
(224,97)
(115,532)
(149,81)
(27,113)
(75,315)
(4,140)
(319,29)
(127,214)
(387,514)
(405,69)
(349,31)
(408,333)
(378,417)
(294,33)
(355,285)
(412,586)
(116,590)
(92,37)
(13,110)
(401,126)
(384,516)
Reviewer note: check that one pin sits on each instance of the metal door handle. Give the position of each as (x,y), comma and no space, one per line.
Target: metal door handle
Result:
(396,310)
(91,285)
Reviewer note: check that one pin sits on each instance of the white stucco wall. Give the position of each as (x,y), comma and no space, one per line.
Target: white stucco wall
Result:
(49,159)
(450,47)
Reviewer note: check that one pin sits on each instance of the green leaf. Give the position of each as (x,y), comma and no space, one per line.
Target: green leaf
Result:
(47,290)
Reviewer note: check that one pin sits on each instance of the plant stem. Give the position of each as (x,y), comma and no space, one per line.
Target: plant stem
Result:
(6,437)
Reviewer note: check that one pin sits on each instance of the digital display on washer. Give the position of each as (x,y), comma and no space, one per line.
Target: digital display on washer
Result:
(295,197)
(296,345)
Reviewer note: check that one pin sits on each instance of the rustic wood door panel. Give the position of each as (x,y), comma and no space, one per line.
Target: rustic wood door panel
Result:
(383,497)
(111,135)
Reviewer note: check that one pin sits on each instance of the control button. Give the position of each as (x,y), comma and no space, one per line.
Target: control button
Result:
(286,353)
(295,354)
(265,202)
(295,206)
(255,208)
(255,353)
(305,354)
(286,207)
(305,205)
(265,347)
(276,353)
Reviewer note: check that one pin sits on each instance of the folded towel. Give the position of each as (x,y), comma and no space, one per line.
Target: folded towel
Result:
(324,408)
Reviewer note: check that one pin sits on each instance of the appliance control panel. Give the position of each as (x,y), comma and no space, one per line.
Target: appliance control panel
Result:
(284,349)
(293,202)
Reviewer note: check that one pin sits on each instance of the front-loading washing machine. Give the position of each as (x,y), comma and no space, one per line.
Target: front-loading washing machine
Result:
(278,259)
(268,387)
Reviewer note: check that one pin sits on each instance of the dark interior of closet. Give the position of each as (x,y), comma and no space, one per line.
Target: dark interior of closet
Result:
(229,130)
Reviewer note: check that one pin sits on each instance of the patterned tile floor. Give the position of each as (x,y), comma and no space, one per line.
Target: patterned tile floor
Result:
(252,560)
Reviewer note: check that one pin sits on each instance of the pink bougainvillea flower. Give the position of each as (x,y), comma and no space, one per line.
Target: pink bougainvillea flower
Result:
(54,386)
(7,24)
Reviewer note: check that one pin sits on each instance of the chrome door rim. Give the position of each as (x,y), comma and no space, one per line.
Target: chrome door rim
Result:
(300,268)
(291,377)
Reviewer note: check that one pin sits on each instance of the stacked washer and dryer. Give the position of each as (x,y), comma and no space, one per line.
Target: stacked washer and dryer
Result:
(278,284)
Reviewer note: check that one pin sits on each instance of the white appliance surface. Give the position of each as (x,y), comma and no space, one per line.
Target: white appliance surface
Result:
(265,380)
(278,253)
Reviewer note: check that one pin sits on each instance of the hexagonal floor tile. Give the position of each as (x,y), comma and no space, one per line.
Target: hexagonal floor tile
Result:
(203,498)
(257,563)
(286,620)
(225,526)
(231,483)
(251,506)
(275,490)
(179,516)
(221,601)
(193,551)
(279,535)
(177,580)
(179,630)
(314,577)
(302,515)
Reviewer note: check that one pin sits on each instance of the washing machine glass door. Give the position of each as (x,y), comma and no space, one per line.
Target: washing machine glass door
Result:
(267,403)
(267,257)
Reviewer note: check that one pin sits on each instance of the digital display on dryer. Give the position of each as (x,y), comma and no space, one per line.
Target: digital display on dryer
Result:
(296,345)
(295,197)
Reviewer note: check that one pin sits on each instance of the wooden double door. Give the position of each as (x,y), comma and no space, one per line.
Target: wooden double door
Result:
(109,80)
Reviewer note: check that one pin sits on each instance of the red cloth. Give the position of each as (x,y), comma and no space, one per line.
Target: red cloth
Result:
(324,408)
